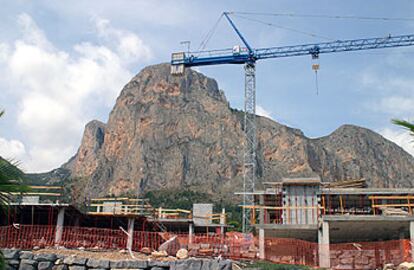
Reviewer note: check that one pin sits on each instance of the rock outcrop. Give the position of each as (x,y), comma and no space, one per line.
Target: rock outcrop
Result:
(179,132)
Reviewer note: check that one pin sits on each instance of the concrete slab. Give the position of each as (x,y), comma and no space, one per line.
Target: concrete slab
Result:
(367,228)
(303,232)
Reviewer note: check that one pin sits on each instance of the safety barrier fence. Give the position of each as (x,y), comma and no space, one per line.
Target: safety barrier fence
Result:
(27,236)
(369,255)
(144,239)
(96,238)
(361,255)
(291,251)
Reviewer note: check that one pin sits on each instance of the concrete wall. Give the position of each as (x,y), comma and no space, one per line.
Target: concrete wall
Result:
(297,196)
(202,211)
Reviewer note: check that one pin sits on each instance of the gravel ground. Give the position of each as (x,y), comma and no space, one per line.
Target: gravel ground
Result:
(101,255)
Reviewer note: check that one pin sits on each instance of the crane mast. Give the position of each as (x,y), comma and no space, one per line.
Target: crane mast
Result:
(248,56)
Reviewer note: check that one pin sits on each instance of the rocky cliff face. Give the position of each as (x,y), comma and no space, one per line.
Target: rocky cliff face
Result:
(179,132)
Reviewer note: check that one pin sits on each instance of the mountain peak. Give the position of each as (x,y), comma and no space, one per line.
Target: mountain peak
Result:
(170,132)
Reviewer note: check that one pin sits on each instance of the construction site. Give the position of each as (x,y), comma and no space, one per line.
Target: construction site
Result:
(297,221)
(292,221)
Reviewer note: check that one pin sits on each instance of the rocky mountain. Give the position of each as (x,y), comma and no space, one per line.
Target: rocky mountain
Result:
(168,132)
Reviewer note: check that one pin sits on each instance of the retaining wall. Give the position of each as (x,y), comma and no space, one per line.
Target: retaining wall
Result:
(28,260)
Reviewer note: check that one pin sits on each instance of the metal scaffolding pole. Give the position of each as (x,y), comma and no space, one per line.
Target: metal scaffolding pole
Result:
(249,174)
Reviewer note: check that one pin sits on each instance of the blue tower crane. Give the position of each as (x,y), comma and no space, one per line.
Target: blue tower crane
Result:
(248,56)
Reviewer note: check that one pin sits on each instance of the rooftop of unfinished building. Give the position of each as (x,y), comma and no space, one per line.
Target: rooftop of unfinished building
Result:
(295,181)
(370,191)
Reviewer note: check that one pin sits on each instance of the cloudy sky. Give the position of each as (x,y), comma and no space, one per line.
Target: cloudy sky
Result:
(63,63)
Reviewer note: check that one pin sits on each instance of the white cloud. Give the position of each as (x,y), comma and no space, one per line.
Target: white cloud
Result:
(12,149)
(31,33)
(402,138)
(128,45)
(392,89)
(58,90)
(4,52)
(263,112)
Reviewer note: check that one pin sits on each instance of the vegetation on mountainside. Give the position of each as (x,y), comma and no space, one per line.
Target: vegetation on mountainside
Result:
(184,199)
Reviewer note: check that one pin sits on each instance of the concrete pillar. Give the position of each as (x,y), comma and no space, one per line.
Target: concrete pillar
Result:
(190,233)
(261,213)
(222,220)
(412,239)
(323,243)
(131,222)
(262,253)
(59,225)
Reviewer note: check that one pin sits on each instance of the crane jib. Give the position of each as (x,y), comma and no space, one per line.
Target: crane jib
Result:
(228,56)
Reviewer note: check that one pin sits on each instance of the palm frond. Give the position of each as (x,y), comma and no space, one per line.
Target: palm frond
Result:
(2,262)
(403,123)
(11,181)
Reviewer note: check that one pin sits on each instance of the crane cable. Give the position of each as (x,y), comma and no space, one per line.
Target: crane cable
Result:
(209,34)
(321,16)
(285,28)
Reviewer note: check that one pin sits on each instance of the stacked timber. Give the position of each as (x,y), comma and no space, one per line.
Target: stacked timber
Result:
(360,183)
(391,211)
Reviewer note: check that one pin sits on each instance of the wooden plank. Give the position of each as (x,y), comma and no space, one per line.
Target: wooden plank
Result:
(120,205)
(176,210)
(280,207)
(110,199)
(34,194)
(392,205)
(391,197)
(45,187)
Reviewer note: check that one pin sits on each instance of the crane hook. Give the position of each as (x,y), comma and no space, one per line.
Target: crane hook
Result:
(315,67)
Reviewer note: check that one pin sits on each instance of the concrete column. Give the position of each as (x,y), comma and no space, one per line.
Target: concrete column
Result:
(190,233)
(261,213)
(131,222)
(323,242)
(412,239)
(222,220)
(59,225)
(262,253)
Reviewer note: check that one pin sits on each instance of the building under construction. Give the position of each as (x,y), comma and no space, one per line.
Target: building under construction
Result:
(333,216)
(297,221)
